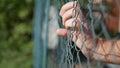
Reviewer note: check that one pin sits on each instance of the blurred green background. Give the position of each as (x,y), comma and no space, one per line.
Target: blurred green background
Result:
(16,17)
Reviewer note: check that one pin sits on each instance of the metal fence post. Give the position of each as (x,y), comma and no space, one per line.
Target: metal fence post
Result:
(38,43)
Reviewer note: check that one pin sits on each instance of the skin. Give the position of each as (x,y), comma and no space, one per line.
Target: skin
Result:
(99,50)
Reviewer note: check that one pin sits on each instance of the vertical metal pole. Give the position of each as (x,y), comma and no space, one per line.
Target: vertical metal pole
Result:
(38,45)
(45,42)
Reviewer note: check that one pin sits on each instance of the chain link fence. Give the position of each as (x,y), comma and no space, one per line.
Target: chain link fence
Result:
(51,51)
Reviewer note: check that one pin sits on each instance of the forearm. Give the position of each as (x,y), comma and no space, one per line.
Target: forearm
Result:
(107,51)
(101,50)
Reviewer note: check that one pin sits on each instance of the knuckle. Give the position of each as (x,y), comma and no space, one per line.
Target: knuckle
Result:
(67,15)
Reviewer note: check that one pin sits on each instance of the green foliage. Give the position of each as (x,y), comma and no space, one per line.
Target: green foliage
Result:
(16,44)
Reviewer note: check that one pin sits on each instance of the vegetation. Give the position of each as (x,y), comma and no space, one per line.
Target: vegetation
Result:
(16,43)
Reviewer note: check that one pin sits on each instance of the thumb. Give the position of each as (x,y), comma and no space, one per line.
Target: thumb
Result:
(62,32)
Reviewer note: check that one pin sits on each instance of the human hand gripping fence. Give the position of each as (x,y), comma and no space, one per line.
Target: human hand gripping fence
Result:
(81,31)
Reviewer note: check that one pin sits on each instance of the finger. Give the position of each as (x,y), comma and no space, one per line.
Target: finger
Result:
(67,15)
(66,7)
(70,23)
(62,32)
(73,23)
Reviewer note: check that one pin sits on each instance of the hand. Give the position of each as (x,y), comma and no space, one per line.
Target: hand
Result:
(94,50)
(67,20)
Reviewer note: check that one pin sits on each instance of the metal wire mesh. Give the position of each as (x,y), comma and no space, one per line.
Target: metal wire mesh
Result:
(67,54)
(92,20)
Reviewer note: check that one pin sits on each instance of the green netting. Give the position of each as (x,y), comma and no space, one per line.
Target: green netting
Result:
(66,54)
